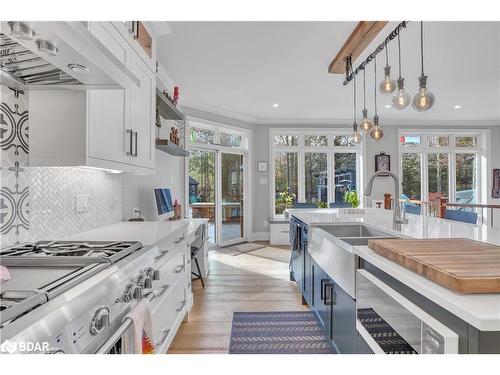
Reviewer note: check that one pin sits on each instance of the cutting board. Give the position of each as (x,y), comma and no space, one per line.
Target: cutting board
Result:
(459,264)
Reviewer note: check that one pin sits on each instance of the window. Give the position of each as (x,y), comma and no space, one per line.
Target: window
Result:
(286,140)
(230,140)
(434,165)
(466,178)
(345,174)
(285,180)
(316,140)
(200,135)
(216,135)
(312,166)
(437,170)
(316,177)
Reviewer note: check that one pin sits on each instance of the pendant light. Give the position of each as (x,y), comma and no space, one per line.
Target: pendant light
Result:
(388,85)
(376,133)
(424,99)
(366,124)
(401,99)
(356,136)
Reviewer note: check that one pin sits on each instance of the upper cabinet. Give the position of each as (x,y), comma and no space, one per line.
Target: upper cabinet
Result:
(110,129)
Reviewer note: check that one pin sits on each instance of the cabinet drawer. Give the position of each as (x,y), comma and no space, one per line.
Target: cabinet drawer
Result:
(174,241)
(279,234)
(169,310)
(396,317)
(172,270)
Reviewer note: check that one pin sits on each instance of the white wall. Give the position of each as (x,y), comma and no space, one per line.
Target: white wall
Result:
(137,190)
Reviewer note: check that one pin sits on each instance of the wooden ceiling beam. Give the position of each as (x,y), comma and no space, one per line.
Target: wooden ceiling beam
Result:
(357,42)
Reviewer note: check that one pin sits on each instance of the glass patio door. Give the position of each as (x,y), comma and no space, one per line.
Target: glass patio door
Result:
(202,191)
(230,206)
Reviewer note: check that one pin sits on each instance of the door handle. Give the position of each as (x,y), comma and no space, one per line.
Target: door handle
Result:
(179,268)
(183,303)
(135,137)
(179,240)
(163,338)
(129,153)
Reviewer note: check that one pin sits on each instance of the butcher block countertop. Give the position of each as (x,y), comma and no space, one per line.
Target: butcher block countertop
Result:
(462,265)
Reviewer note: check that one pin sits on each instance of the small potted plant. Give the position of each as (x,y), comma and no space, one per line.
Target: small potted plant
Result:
(321,204)
(352,198)
(285,200)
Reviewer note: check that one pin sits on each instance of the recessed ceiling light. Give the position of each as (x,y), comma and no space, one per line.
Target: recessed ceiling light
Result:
(458,106)
(276,105)
(387,106)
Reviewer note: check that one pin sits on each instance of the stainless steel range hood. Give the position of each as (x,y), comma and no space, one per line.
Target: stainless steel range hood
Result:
(44,55)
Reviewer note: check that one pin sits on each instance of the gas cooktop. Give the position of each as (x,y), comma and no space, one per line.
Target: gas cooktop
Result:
(42,270)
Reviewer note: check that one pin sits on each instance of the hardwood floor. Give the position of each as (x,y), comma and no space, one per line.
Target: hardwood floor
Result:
(256,281)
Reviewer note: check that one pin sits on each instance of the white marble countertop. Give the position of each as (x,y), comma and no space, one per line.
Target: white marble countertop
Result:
(147,232)
(480,310)
(418,226)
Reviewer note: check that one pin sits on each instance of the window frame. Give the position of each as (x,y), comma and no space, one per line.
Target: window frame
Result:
(301,149)
(481,151)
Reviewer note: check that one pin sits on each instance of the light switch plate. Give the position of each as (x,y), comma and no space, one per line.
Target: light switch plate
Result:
(82,203)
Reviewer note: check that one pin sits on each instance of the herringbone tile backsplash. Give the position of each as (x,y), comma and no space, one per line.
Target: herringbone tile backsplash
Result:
(52,201)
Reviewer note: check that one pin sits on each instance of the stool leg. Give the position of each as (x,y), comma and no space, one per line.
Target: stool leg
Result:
(199,272)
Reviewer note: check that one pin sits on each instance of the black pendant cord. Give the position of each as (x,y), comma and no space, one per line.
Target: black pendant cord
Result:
(399,55)
(375,84)
(422,45)
(371,56)
(364,89)
(354,125)
(386,54)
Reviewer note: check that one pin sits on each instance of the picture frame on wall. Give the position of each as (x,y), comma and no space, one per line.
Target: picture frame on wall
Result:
(262,166)
(382,162)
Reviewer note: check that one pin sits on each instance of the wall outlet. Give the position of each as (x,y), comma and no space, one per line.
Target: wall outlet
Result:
(263,181)
(266,223)
(81,203)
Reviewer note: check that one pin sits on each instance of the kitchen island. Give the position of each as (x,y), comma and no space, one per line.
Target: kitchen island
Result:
(347,283)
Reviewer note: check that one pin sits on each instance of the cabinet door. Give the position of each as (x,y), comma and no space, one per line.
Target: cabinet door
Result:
(107,114)
(142,115)
(320,278)
(308,284)
(343,321)
(108,110)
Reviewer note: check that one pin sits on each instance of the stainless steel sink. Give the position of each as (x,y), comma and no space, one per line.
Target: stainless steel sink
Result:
(353,230)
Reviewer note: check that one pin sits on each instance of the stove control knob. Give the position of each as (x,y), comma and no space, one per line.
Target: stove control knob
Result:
(100,320)
(155,275)
(137,292)
(151,272)
(144,281)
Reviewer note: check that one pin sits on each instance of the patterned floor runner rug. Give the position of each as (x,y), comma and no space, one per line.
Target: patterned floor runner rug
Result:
(277,332)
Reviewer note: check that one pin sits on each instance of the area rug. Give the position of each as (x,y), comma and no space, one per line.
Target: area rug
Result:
(239,249)
(277,332)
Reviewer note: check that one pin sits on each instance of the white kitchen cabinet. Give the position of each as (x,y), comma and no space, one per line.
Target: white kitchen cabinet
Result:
(142,115)
(110,129)
(279,233)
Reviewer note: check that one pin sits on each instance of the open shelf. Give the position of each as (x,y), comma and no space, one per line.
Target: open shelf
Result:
(166,109)
(170,148)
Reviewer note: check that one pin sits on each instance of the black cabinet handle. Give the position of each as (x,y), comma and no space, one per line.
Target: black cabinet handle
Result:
(329,294)
(322,292)
(129,153)
(135,136)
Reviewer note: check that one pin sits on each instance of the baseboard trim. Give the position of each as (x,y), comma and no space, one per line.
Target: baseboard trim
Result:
(260,236)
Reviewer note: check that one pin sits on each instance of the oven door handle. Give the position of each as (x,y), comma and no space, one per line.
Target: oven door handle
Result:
(113,339)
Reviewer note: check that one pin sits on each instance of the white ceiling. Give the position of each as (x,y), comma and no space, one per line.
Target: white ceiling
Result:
(241,68)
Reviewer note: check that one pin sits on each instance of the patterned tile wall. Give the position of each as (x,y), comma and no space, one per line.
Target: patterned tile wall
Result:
(14,183)
(53,201)
(40,203)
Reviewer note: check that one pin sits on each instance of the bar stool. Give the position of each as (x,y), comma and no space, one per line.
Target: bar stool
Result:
(195,248)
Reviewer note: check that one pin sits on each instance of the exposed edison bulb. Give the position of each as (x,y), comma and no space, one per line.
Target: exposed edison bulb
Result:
(366,124)
(401,98)
(388,85)
(423,99)
(356,136)
(376,133)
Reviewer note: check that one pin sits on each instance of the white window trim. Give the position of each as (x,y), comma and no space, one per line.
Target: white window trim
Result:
(481,150)
(301,150)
